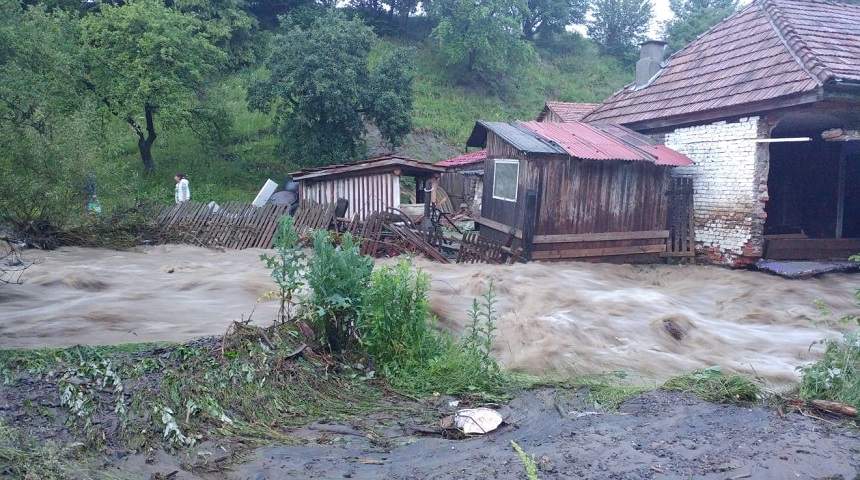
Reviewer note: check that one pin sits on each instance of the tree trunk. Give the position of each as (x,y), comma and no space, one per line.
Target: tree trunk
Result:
(144,142)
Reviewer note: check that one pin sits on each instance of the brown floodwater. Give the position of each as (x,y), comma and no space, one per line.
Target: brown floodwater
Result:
(651,321)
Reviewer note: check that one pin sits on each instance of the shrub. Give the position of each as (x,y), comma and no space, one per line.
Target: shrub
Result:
(394,326)
(712,385)
(836,376)
(337,277)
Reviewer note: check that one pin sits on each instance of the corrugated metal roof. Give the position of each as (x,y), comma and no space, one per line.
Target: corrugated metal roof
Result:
(470,158)
(520,138)
(567,111)
(768,50)
(585,141)
(387,162)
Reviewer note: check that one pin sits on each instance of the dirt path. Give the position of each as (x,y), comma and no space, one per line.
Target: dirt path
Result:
(657,435)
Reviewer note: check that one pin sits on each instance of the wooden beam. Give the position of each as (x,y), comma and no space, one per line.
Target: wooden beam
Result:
(597,252)
(516,232)
(529,223)
(840,192)
(601,237)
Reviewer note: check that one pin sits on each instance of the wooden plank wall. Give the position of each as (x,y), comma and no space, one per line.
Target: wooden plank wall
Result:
(577,198)
(366,193)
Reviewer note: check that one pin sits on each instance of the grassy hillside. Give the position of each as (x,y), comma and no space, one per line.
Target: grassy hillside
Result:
(237,164)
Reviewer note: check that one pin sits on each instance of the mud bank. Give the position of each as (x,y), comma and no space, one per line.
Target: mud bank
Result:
(650,321)
(657,435)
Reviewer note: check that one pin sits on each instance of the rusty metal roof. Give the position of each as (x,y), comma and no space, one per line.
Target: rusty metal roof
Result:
(471,158)
(772,49)
(406,165)
(585,141)
(567,111)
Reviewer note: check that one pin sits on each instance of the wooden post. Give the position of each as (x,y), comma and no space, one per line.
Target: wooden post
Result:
(840,191)
(529,220)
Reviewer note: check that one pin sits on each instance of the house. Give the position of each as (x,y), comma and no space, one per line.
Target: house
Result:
(574,190)
(463,179)
(767,105)
(372,185)
(565,111)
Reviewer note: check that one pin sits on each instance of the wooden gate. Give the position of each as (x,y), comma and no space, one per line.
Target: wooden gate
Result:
(682,236)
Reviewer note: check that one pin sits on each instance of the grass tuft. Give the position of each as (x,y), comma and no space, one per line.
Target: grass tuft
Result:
(836,376)
(712,385)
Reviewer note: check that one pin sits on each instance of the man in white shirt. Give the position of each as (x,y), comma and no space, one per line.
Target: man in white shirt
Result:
(183,191)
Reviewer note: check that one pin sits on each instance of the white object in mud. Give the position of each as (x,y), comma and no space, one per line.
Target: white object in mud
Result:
(265,192)
(477,420)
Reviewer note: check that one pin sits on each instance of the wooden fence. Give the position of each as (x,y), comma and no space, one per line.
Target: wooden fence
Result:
(232,225)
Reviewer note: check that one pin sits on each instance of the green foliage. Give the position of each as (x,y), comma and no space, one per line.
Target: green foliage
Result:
(712,385)
(480,40)
(528,461)
(337,277)
(694,17)
(144,60)
(394,327)
(837,375)
(322,89)
(619,25)
(549,17)
(286,265)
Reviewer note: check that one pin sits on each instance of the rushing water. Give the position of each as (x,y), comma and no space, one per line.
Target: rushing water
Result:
(651,321)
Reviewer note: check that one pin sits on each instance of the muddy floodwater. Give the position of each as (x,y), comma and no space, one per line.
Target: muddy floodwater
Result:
(571,318)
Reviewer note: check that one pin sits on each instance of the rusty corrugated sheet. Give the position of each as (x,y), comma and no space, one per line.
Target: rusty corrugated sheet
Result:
(470,158)
(769,50)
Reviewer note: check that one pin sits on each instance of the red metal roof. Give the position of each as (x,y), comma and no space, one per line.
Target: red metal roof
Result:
(567,111)
(605,142)
(470,158)
(769,50)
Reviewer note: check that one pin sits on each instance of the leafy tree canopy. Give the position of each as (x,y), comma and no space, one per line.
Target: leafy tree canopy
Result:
(619,25)
(481,39)
(694,17)
(544,17)
(145,60)
(322,88)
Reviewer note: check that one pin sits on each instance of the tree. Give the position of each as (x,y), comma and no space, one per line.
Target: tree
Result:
(322,88)
(481,39)
(551,16)
(143,60)
(694,17)
(619,25)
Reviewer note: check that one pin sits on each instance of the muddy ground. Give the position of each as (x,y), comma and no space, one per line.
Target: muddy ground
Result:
(660,435)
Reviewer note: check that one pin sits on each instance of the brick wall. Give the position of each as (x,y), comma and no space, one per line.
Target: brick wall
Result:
(730,182)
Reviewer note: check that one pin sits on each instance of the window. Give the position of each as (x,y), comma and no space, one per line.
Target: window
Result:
(505,179)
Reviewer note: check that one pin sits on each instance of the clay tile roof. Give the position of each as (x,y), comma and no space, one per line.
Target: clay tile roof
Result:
(769,50)
(566,111)
(470,158)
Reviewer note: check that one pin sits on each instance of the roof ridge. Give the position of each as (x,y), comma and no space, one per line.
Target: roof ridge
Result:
(795,44)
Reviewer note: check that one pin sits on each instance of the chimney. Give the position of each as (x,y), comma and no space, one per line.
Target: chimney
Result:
(651,54)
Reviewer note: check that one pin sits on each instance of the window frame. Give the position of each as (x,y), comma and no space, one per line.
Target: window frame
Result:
(507,161)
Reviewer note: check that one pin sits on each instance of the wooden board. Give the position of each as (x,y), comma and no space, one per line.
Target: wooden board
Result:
(598,252)
(598,237)
(811,248)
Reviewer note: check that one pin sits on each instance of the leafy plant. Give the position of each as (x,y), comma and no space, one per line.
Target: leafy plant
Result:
(394,325)
(528,461)
(712,385)
(482,327)
(837,375)
(286,265)
(337,277)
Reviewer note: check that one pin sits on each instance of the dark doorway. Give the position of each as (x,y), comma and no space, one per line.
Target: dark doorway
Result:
(813,211)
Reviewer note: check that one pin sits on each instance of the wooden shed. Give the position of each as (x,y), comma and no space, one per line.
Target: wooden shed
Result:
(371,185)
(575,191)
